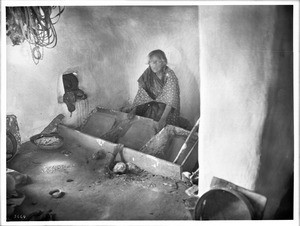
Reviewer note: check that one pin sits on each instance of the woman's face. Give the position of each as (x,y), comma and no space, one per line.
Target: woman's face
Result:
(156,64)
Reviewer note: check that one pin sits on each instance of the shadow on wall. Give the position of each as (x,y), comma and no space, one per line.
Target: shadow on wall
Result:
(189,84)
(96,44)
(277,152)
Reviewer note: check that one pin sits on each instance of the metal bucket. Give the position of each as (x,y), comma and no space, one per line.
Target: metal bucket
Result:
(223,204)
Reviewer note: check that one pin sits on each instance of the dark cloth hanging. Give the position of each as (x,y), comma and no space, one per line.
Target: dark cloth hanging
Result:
(72,92)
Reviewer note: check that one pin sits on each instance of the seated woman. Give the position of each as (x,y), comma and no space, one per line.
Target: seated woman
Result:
(158,93)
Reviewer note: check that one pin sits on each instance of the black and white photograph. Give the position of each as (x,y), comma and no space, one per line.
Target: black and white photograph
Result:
(149,112)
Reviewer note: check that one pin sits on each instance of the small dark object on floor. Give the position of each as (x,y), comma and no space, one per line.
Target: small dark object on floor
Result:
(174,185)
(99,155)
(56,193)
(132,168)
(108,173)
(66,153)
(33,203)
(70,180)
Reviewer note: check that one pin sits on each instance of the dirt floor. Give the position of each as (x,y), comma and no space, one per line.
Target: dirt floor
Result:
(91,192)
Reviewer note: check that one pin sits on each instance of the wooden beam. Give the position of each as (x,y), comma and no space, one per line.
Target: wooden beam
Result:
(184,146)
(151,163)
(86,141)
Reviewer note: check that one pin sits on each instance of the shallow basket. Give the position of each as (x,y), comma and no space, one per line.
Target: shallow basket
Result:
(34,138)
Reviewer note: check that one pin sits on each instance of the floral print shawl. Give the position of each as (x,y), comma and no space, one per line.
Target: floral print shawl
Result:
(164,90)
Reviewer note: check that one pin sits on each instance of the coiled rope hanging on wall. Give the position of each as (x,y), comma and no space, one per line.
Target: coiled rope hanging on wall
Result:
(35,25)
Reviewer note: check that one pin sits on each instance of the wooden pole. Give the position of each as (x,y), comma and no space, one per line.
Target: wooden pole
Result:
(184,146)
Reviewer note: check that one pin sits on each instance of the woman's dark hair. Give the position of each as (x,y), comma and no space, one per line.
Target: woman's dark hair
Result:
(159,53)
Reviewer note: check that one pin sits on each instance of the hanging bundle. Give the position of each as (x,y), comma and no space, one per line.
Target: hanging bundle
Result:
(35,25)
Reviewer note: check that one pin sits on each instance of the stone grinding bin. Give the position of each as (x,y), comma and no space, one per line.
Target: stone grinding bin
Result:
(104,123)
(168,143)
(104,128)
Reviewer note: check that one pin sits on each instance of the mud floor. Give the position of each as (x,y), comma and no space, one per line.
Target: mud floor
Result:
(91,192)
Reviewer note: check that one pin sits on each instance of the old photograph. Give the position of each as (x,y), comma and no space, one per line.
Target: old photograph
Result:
(148,112)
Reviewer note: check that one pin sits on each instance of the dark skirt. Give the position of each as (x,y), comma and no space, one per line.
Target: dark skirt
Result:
(153,110)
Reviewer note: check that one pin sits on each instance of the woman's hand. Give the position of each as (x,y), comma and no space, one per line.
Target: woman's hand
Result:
(125,109)
(161,124)
(163,120)
(131,114)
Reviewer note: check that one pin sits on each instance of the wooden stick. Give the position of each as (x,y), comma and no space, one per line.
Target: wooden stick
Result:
(117,149)
(184,146)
